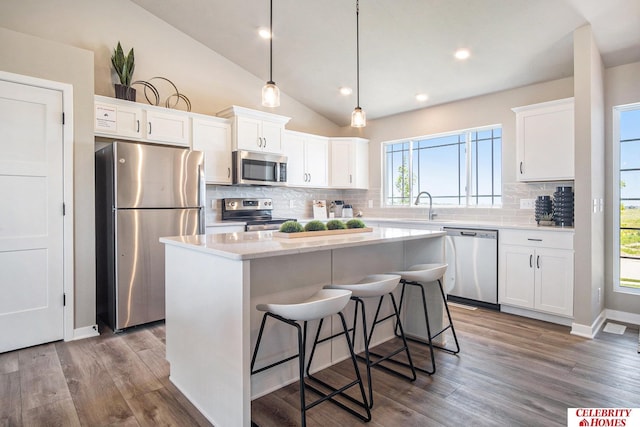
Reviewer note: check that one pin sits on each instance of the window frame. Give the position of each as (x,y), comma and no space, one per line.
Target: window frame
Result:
(468,184)
(615,208)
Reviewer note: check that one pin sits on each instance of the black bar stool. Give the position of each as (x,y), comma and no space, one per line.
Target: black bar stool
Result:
(374,286)
(322,304)
(422,275)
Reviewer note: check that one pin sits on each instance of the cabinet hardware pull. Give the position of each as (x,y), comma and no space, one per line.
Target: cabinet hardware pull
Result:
(309,177)
(149,128)
(538,261)
(534,240)
(521,168)
(350,179)
(228,172)
(531,261)
(265,142)
(259,141)
(137,126)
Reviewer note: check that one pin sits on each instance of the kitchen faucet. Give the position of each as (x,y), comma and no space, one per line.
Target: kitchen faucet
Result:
(430,202)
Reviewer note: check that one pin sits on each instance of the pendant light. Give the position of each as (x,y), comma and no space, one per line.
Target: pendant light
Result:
(270,92)
(358,117)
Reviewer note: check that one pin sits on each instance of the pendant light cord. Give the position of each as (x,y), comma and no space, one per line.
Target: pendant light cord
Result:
(271,41)
(357,52)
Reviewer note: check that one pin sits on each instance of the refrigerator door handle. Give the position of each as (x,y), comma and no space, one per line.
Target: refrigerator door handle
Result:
(202,197)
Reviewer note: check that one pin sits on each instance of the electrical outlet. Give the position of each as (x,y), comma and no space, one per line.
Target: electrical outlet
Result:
(291,204)
(370,203)
(527,203)
(213,204)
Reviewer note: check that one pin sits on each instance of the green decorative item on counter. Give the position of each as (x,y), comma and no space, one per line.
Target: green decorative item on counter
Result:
(355,223)
(336,224)
(124,66)
(291,227)
(315,225)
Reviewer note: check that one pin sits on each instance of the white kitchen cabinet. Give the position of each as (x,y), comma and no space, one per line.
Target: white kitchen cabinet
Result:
(255,130)
(167,126)
(545,141)
(117,118)
(212,135)
(349,165)
(535,270)
(307,159)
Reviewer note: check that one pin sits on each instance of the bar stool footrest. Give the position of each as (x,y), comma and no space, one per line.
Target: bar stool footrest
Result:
(336,392)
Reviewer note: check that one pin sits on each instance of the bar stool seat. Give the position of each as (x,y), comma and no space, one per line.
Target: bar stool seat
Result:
(322,304)
(421,275)
(372,286)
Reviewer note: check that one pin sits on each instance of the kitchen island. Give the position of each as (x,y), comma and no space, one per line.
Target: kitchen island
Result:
(213,283)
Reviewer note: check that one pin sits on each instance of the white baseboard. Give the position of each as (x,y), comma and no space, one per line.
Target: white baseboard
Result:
(623,316)
(589,331)
(85,332)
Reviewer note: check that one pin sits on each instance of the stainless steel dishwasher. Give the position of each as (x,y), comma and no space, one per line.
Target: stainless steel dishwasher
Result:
(472,276)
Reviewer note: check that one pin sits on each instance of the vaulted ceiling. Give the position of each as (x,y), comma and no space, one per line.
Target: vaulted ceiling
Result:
(406,46)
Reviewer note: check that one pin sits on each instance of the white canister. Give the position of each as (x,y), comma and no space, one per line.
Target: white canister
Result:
(347,211)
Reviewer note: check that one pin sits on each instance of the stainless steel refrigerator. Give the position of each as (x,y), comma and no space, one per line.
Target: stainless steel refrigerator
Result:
(143,192)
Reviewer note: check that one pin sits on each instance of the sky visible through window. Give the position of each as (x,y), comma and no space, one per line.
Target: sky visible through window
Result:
(443,167)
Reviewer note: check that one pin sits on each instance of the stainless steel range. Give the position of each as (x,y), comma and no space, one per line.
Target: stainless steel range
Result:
(256,213)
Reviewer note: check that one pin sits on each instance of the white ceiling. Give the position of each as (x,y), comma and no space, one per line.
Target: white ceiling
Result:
(406,46)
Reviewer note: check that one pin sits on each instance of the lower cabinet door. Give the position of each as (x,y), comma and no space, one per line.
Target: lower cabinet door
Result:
(554,281)
(516,276)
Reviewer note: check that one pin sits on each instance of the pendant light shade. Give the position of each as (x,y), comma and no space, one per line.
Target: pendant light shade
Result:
(270,92)
(270,95)
(358,117)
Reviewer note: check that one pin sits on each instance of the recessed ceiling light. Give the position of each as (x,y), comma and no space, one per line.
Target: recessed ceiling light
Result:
(462,54)
(421,97)
(346,91)
(264,33)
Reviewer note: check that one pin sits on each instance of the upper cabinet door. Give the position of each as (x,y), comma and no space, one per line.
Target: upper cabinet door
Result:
(349,164)
(317,161)
(545,141)
(293,148)
(168,127)
(255,130)
(213,137)
(119,120)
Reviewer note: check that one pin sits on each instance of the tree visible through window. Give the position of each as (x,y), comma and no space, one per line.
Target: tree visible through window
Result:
(462,168)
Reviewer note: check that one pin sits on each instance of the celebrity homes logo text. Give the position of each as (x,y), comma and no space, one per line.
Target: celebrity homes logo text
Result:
(603,417)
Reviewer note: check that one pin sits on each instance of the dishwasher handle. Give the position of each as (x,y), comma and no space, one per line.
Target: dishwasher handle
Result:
(470,232)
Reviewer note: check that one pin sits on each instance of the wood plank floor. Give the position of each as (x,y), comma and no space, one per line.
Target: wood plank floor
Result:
(512,371)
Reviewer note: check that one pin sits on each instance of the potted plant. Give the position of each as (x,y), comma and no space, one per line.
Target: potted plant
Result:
(124,66)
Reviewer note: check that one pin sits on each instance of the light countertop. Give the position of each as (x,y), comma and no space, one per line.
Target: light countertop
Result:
(263,244)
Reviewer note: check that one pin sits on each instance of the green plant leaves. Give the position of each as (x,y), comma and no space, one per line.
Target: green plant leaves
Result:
(124,65)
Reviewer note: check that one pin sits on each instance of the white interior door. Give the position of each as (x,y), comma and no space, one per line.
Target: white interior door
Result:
(31,216)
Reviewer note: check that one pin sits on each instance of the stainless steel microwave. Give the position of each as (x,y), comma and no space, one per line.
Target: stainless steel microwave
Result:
(250,167)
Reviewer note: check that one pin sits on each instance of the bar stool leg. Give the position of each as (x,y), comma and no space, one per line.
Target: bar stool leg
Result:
(453,330)
(338,391)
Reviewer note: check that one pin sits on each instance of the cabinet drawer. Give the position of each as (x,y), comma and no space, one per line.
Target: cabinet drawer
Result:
(537,239)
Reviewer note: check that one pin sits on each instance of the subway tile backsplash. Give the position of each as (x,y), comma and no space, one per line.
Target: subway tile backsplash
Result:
(302,198)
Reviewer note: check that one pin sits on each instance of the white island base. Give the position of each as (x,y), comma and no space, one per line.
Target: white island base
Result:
(214,282)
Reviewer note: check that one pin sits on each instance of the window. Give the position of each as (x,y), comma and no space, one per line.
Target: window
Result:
(627,202)
(458,169)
